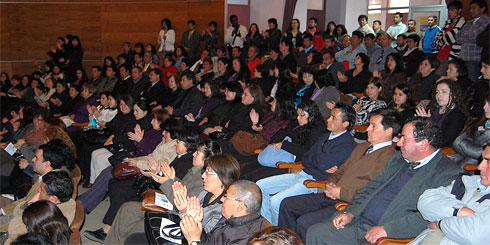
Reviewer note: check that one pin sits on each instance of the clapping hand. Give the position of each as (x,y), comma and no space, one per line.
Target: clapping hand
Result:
(194,209)
(137,135)
(191,229)
(168,171)
(421,112)
(180,196)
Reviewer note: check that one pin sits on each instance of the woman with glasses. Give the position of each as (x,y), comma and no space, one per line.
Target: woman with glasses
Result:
(124,191)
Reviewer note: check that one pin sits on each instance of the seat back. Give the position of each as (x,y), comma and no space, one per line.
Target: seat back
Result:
(77,224)
(75,175)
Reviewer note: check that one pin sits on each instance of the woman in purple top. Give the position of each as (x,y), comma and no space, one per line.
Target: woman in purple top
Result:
(208,102)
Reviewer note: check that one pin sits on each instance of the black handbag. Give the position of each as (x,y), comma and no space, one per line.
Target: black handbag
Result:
(96,136)
(170,232)
(143,183)
(219,135)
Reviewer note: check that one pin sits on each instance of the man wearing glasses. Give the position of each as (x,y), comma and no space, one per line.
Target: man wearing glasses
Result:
(241,217)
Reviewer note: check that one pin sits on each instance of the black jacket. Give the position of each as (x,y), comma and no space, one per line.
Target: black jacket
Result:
(236,230)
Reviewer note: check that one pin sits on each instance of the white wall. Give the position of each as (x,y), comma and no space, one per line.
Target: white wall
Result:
(262,10)
(346,12)
(300,13)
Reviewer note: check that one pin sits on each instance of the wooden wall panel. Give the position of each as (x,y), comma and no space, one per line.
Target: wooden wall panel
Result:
(29,29)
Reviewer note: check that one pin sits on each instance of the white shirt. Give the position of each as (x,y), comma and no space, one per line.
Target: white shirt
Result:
(426,160)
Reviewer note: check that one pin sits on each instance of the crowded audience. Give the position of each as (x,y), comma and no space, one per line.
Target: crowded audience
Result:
(225,139)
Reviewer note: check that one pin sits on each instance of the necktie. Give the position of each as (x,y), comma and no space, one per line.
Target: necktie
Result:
(412,165)
(369,150)
(380,58)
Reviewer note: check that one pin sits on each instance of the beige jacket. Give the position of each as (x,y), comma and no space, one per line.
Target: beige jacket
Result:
(164,152)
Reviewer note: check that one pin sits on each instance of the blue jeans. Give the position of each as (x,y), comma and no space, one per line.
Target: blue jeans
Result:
(270,156)
(276,188)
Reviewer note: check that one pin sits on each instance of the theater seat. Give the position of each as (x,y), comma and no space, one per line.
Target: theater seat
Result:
(341,206)
(293,167)
(82,124)
(448,150)
(470,167)
(319,184)
(75,175)
(393,241)
(77,224)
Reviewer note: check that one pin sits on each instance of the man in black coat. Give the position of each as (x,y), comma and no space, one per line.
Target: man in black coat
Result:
(153,94)
(189,98)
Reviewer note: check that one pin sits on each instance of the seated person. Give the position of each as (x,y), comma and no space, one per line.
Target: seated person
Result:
(468,144)
(355,79)
(56,187)
(386,206)
(306,89)
(426,77)
(321,160)
(189,97)
(275,235)
(125,224)
(46,217)
(446,110)
(349,53)
(462,211)
(241,217)
(54,155)
(402,101)
(393,74)
(324,91)
(366,161)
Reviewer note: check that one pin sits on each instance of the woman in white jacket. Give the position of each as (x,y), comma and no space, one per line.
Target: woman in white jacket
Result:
(166,38)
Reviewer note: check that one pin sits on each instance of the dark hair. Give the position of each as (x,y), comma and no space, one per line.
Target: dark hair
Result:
(316,57)
(77,38)
(213,23)
(378,83)
(481,4)
(157,72)
(184,51)
(414,21)
(285,109)
(362,16)
(460,67)
(455,97)
(308,36)
(57,152)
(250,193)
(414,37)
(167,22)
(314,19)
(297,20)
(477,95)
(214,85)
(407,90)
(128,100)
(172,126)
(370,36)
(190,76)
(193,22)
(45,217)
(348,113)
(342,27)
(379,22)
(233,17)
(226,167)
(143,105)
(209,148)
(59,184)
(433,61)
(364,59)
(391,119)
(263,69)
(399,14)
(314,119)
(244,72)
(424,128)
(258,95)
(237,88)
(398,61)
(455,5)
(190,137)
(288,43)
(273,21)
(404,37)
(329,37)
(273,235)
(324,81)
(33,238)
(250,28)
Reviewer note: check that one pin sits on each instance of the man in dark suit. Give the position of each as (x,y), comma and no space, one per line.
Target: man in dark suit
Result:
(366,161)
(122,87)
(139,83)
(189,98)
(96,78)
(190,39)
(387,205)
(413,56)
(330,67)
(308,48)
(153,93)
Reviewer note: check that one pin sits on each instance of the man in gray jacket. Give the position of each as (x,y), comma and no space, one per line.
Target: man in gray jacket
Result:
(387,205)
(463,209)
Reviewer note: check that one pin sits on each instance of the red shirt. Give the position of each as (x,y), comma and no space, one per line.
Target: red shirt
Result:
(165,71)
(252,65)
(317,38)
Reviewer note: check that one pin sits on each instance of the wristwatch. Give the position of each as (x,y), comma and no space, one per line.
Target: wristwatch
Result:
(195,243)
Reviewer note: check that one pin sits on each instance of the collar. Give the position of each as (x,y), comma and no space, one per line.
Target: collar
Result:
(126,78)
(481,187)
(308,49)
(332,136)
(381,145)
(432,27)
(409,51)
(426,160)
(153,84)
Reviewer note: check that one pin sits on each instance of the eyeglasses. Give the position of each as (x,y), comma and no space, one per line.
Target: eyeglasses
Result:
(39,119)
(208,172)
(231,198)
